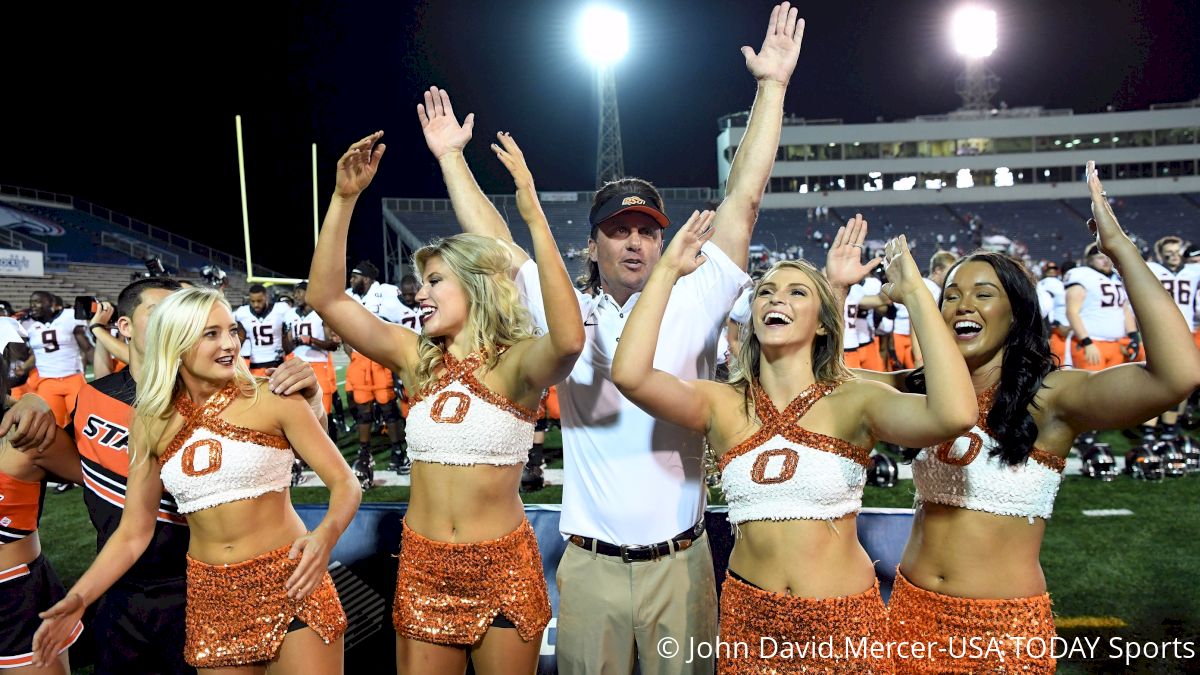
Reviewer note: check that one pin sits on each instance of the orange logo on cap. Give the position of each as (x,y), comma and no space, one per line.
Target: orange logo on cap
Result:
(633,201)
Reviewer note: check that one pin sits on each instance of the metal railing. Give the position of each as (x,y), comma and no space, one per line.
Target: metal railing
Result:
(137,248)
(135,226)
(402,205)
(13,239)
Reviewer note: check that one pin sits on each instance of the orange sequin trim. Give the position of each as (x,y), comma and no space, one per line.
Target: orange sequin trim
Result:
(450,593)
(970,634)
(188,461)
(460,410)
(765,632)
(239,613)
(464,371)
(986,399)
(206,416)
(786,424)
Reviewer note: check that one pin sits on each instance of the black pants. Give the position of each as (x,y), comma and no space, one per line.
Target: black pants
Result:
(140,629)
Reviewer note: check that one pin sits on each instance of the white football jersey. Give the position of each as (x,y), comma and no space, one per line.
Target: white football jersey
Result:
(411,318)
(55,350)
(903,325)
(383,300)
(1181,285)
(1103,310)
(865,324)
(850,317)
(309,324)
(264,334)
(1053,286)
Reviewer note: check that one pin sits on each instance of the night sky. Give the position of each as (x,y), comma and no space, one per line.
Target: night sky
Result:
(139,118)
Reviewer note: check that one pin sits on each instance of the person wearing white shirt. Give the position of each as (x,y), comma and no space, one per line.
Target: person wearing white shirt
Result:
(1099,313)
(371,383)
(1052,285)
(58,342)
(939,263)
(1181,280)
(261,325)
(638,567)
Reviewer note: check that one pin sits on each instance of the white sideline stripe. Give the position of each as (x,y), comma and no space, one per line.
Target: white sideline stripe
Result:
(1107,512)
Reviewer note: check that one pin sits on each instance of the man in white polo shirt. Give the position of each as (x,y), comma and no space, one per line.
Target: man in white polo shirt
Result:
(639,568)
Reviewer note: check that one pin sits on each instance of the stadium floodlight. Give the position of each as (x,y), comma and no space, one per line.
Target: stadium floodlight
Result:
(604,39)
(974,32)
(603,34)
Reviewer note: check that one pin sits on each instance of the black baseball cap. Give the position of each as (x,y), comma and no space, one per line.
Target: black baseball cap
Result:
(623,202)
(1192,251)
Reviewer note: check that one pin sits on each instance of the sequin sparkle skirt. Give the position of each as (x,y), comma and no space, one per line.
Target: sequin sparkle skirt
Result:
(450,593)
(766,632)
(971,635)
(239,613)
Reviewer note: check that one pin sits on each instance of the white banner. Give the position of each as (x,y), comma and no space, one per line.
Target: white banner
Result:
(558,196)
(17,263)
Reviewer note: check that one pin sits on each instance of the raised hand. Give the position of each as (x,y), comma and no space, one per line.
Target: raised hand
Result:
(904,277)
(1103,224)
(356,169)
(843,263)
(683,254)
(776,59)
(514,160)
(443,133)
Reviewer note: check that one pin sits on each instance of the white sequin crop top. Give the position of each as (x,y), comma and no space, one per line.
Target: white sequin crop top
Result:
(211,462)
(459,421)
(963,473)
(786,472)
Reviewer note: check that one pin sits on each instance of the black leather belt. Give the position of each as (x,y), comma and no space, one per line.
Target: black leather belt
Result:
(266,364)
(680,542)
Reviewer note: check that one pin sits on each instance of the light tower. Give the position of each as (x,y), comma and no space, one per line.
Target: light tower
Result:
(974,32)
(604,38)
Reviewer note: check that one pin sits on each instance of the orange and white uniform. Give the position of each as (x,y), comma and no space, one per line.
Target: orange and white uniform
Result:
(366,380)
(59,364)
(850,326)
(1103,315)
(264,334)
(27,588)
(309,324)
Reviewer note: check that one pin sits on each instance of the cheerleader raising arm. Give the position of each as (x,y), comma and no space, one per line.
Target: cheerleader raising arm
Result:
(947,409)
(667,397)
(387,344)
(1121,396)
(548,359)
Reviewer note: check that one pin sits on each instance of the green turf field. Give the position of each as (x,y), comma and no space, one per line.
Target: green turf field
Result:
(1125,577)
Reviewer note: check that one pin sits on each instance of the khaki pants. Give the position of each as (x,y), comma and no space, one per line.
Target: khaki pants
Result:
(612,613)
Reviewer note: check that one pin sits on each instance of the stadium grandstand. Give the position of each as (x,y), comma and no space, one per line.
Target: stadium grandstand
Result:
(1002,178)
(87,249)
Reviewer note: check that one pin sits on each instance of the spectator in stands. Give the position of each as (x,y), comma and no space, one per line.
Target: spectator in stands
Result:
(58,341)
(971,570)
(649,474)
(790,361)
(252,567)
(484,595)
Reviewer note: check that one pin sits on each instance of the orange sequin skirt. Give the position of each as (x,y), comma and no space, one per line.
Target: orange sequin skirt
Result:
(971,635)
(766,632)
(450,593)
(239,613)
